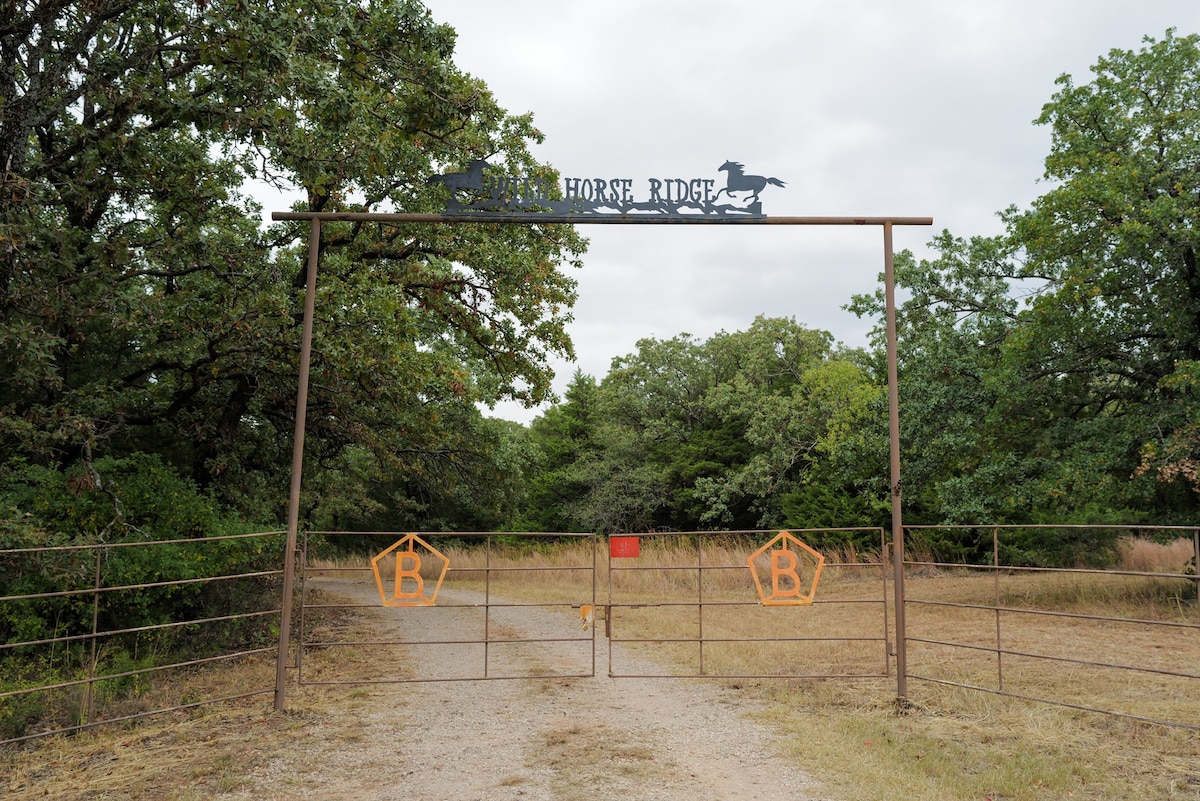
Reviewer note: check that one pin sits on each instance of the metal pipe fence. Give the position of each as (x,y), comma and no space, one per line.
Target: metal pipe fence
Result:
(1094,634)
(84,627)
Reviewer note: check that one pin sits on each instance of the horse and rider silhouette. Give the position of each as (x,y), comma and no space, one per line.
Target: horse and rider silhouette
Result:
(471,179)
(738,181)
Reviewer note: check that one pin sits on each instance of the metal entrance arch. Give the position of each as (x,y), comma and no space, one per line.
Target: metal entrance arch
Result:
(887,223)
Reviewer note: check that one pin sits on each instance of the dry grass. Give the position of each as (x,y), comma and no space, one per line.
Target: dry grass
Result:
(203,752)
(344,659)
(1135,553)
(587,758)
(211,752)
(185,755)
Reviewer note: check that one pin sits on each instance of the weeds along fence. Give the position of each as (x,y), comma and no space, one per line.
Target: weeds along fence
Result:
(1097,618)
(85,628)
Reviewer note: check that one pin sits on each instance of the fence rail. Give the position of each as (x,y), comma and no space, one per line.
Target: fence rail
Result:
(76,658)
(1037,623)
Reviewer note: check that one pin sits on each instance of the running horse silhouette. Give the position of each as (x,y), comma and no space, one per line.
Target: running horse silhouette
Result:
(454,181)
(738,181)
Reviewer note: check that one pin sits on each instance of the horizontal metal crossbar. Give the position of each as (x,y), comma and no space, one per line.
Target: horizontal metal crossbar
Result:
(534,218)
(1052,613)
(991,649)
(405,643)
(1015,569)
(137,629)
(103,546)
(137,716)
(749,676)
(748,639)
(126,674)
(145,586)
(1082,707)
(436,679)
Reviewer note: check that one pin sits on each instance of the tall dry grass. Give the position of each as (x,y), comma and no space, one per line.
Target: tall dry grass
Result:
(1148,556)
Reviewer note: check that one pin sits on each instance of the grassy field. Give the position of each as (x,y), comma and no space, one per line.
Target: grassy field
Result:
(947,743)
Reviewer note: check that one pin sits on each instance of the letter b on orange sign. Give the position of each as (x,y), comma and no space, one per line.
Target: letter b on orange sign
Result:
(408,586)
(413,573)
(788,572)
(777,568)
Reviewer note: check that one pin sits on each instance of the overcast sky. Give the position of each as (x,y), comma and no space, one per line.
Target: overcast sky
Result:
(875,107)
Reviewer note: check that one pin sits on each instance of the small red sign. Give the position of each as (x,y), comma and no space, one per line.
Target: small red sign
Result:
(624,547)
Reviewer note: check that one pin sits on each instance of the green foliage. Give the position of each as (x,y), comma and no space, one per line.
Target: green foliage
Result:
(1048,374)
(1066,547)
(149,325)
(135,499)
(143,309)
(564,438)
(1045,372)
(97,520)
(821,502)
(687,435)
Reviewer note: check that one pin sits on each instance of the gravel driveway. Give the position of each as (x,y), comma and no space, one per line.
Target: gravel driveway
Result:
(530,738)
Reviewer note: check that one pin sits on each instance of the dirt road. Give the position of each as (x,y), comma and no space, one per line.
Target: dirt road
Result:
(535,738)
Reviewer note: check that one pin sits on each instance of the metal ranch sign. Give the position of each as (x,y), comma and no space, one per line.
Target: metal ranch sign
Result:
(478,190)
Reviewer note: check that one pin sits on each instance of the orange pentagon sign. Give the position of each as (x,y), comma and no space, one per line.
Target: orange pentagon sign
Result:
(777,568)
(403,560)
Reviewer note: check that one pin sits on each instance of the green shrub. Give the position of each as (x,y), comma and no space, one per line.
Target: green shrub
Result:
(137,499)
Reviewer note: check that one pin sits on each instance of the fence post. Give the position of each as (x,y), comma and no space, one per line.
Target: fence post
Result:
(90,695)
(1196,560)
(889,269)
(289,549)
(996,603)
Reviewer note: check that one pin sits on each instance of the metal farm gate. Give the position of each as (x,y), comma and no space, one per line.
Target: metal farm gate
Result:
(482,606)
(743,605)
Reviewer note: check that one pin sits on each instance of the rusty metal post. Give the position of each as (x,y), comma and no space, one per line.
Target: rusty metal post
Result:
(607,606)
(487,604)
(303,598)
(594,599)
(1196,562)
(700,598)
(289,551)
(996,602)
(90,697)
(884,557)
(889,272)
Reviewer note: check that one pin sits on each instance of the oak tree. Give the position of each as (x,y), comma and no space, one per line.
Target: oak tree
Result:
(143,306)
